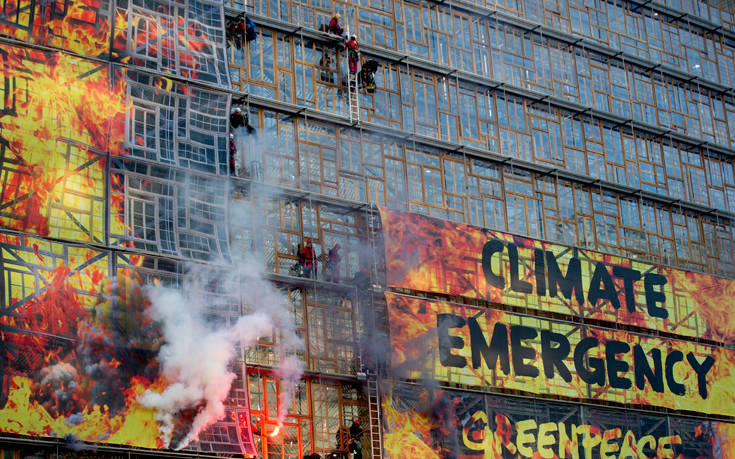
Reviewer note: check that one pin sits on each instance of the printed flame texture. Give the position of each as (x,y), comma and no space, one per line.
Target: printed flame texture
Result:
(491,349)
(434,423)
(430,255)
(76,347)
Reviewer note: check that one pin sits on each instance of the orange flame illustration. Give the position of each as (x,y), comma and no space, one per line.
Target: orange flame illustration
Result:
(78,348)
(439,256)
(406,433)
(68,375)
(83,29)
(162,35)
(134,426)
(57,134)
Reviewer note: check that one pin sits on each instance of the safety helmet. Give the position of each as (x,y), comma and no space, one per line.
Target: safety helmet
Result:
(237,110)
(354,37)
(308,240)
(357,421)
(337,246)
(232,136)
(338,16)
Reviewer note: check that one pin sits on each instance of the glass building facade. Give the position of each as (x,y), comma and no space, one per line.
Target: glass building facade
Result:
(536,120)
(600,125)
(604,126)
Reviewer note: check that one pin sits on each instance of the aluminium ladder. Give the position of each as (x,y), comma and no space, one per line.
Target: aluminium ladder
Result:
(376,447)
(353,94)
(353,87)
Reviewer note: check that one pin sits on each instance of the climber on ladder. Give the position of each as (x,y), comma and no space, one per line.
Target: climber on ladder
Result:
(353,57)
(353,60)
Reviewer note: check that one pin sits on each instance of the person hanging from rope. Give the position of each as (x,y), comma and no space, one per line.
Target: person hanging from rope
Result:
(331,268)
(308,258)
(236,31)
(367,75)
(353,56)
(233,155)
(237,118)
(334,26)
(355,447)
(250,33)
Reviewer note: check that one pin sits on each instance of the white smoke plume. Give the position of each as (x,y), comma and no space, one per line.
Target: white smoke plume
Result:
(262,297)
(245,145)
(251,146)
(196,355)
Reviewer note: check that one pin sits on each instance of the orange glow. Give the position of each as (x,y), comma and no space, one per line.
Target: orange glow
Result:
(82,37)
(68,328)
(275,432)
(709,297)
(65,117)
(173,37)
(487,426)
(724,439)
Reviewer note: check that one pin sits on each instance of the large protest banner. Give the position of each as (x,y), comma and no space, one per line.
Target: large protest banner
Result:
(430,422)
(487,348)
(439,256)
(77,349)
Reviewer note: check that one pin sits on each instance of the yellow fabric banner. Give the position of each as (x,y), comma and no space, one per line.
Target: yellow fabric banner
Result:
(486,348)
(430,255)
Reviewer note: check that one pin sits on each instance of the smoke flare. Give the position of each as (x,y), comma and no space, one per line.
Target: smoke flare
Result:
(196,355)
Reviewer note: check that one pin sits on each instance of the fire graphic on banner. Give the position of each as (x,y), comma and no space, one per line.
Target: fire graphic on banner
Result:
(166,39)
(477,426)
(55,141)
(80,26)
(487,348)
(423,423)
(74,364)
(430,255)
(76,348)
